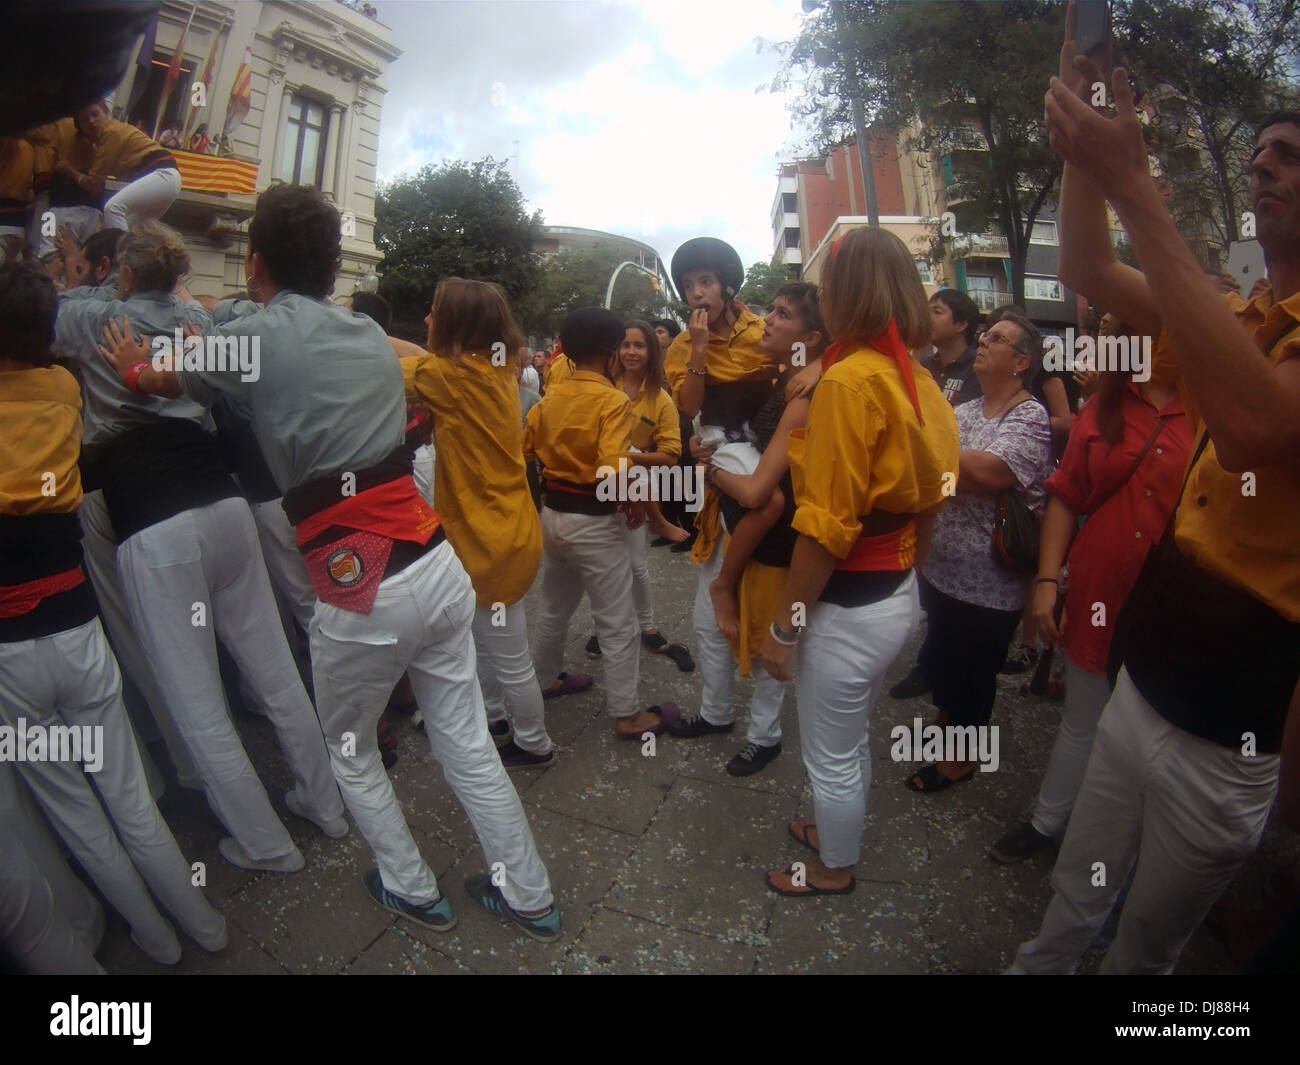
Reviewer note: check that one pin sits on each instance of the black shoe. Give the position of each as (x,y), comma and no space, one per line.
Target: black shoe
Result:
(660,541)
(500,731)
(653,641)
(389,758)
(515,757)
(914,684)
(752,759)
(692,725)
(683,547)
(1021,660)
(1019,844)
(593,648)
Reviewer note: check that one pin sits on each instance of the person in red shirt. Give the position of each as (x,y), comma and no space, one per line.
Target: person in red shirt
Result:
(1122,470)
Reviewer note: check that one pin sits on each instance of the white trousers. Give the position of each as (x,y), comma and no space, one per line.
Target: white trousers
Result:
(82,221)
(71,900)
(284,562)
(205,565)
(718,667)
(839,666)
(99,550)
(70,678)
(1189,811)
(506,675)
(642,600)
(585,552)
(1086,694)
(420,624)
(145,197)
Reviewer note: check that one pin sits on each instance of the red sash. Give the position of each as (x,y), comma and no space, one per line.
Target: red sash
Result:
(19,599)
(346,572)
(889,551)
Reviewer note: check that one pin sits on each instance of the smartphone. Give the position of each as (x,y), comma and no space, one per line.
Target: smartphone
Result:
(1092,27)
(1246,264)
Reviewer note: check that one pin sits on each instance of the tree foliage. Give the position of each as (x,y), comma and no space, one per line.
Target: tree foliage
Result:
(456,220)
(761,282)
(964,78)
(1210,72)
(579,277)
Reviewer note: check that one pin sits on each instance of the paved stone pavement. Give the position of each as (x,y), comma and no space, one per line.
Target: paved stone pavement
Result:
(657,861)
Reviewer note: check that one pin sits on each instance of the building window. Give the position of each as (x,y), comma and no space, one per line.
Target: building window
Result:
(303,162)
(1044,288)
(1044,233)
(926,271)
(979,283)
(147,93)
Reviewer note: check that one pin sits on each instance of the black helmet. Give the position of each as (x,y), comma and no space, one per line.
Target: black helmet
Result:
(701,253)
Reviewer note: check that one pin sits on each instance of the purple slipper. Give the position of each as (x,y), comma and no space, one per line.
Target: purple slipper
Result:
(667,713)
(572,682)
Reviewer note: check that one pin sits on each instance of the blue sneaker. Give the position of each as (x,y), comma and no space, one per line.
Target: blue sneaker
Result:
(437,916)
(545,927)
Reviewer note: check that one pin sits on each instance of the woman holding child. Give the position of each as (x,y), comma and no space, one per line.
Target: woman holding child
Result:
(868,476)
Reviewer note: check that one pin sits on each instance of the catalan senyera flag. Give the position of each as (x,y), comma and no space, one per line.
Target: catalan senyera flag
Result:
(211,173)
(241,93)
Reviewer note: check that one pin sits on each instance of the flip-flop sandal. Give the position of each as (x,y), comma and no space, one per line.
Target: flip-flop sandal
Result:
(802,837)
(932,780)
(667,713)
(809,889)
(680,655)
(571,683)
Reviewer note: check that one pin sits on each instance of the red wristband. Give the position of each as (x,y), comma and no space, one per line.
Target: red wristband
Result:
(132,377)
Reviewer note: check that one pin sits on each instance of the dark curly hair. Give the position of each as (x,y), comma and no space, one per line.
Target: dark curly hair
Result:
(27,309)
(296,232)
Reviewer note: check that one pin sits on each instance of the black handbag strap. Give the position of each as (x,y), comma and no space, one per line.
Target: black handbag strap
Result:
(1161,421)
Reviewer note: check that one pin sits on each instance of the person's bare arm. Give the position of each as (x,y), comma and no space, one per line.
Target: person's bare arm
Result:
(982,472)
(123,350)
(755,489)
(690,397)
(1059,525)
(1058,404)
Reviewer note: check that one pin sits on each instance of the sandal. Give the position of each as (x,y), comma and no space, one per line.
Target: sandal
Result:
(933,780)
(799,832)
(667,713)
(808,889)
(571,683)
(681,656)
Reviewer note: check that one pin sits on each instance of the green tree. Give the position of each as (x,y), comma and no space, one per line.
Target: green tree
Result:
(761,282)
(579,277)
(968,74)
(1209,71)
(456,220)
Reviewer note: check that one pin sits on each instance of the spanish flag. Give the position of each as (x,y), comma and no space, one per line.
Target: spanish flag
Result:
(241,93)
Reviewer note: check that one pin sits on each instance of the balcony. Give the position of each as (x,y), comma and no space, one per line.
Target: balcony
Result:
(969,244)
(986,299)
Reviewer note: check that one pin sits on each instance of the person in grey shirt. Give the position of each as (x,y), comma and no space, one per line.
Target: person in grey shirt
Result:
(330,402)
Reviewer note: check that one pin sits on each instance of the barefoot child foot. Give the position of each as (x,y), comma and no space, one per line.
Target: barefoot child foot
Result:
(726,608)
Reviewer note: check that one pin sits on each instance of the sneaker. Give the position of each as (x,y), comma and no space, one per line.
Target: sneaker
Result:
(914,684)
(752,759)
(437,915)
(335,828)
(545,927)
(593,648)
(688,726)
(236,855)
(515,757)
(654,641)
(1019,844)
(500,731)
(1021,660)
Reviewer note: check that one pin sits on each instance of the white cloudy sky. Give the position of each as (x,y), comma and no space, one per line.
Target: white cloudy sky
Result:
(642,117)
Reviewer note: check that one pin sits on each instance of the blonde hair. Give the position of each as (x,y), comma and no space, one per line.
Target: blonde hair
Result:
(156,255)
(871,278)
(471,316)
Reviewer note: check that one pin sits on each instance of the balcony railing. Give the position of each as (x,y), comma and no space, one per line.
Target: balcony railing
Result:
(986,300)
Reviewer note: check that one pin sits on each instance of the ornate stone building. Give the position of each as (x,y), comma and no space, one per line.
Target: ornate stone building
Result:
(314,76)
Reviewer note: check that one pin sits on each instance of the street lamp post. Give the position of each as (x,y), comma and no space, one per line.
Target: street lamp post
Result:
(609,292)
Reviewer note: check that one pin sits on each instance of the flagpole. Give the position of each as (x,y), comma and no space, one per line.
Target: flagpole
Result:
(209,74)
(166,96)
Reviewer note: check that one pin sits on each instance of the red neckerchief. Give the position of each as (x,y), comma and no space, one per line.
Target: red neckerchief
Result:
(890,343)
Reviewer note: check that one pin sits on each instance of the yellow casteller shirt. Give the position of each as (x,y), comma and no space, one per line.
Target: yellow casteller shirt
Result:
(479,478)
(727,359)
(655,426)
(580,425)
(40,435)
(1250,541)
(558,369)
(864,450)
